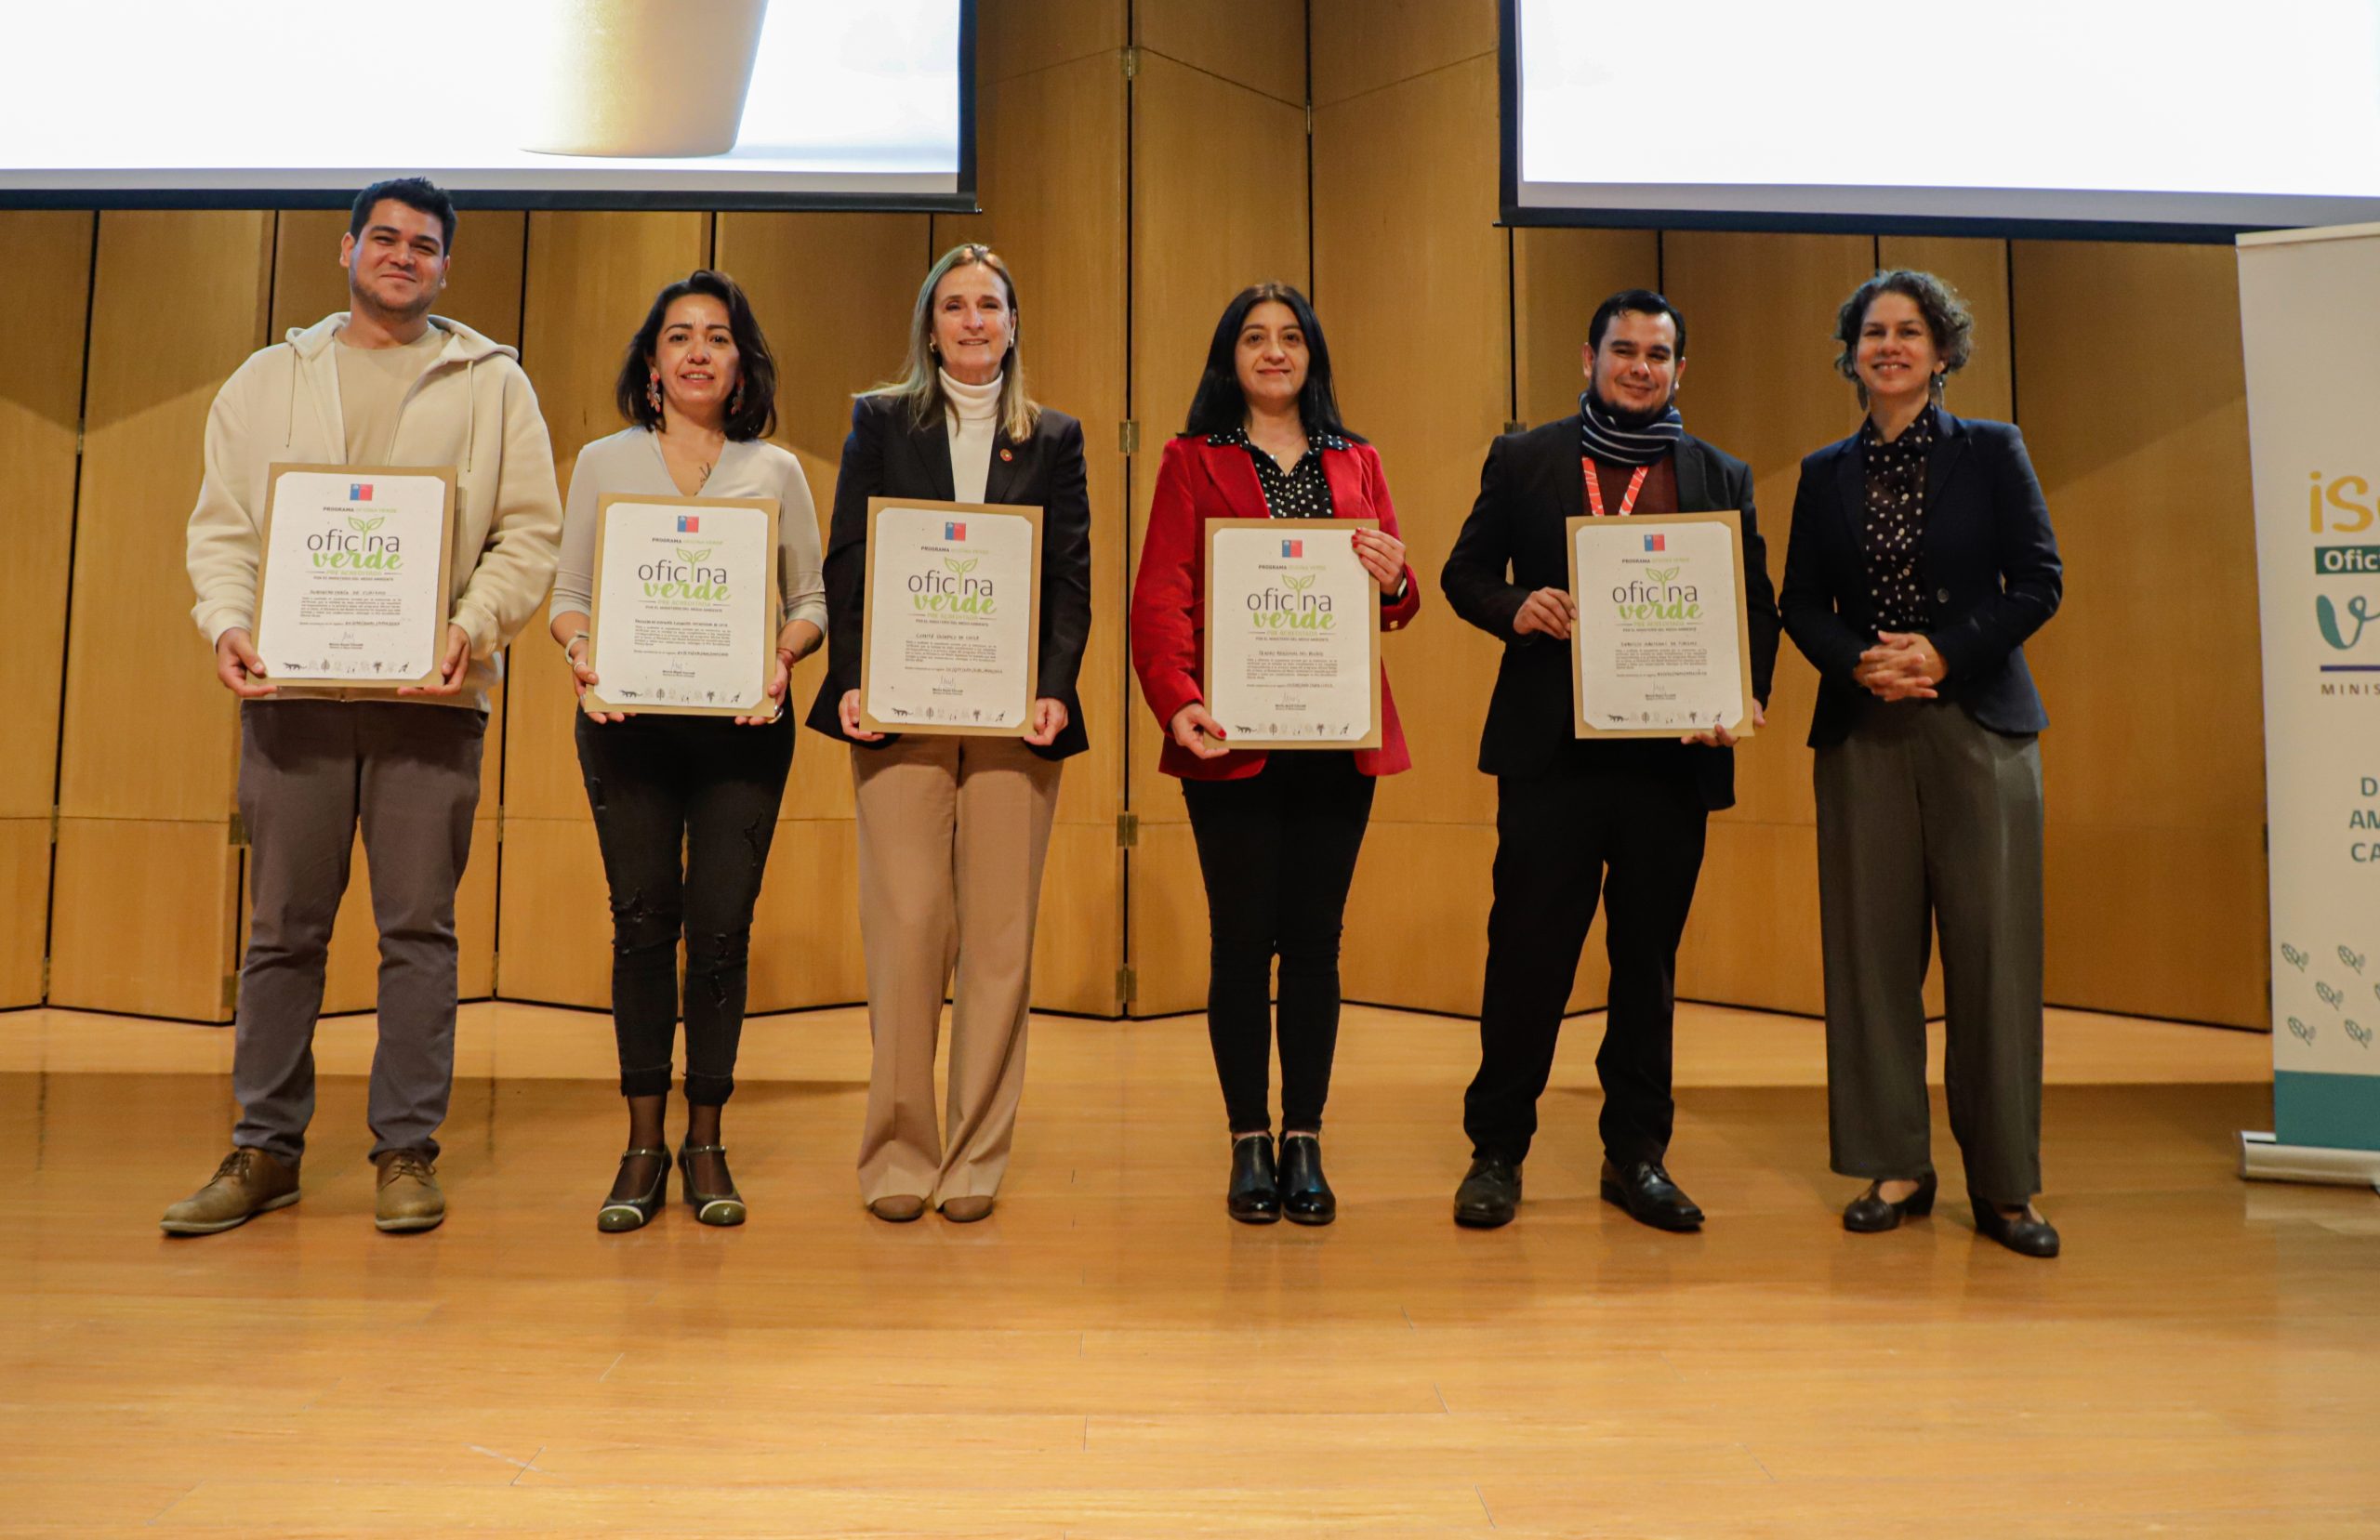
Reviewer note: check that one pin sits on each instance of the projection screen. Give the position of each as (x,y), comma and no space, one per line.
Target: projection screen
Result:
(710,103)
(2119,117)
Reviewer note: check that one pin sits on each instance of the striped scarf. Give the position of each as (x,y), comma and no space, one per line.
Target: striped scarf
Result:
(1603,437)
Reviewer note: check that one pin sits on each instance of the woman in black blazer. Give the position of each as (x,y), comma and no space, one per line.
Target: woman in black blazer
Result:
(1921,558)
(951,829)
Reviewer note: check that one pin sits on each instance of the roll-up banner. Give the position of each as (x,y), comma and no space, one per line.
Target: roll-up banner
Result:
(2309,314)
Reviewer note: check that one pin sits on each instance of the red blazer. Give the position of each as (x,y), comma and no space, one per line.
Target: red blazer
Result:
(1198,481)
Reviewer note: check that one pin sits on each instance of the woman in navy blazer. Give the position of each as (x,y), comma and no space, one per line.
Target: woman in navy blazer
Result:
(1921,559)
(1277,835)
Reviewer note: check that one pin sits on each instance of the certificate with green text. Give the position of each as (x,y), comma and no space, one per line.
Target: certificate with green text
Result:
(685,612)
(1660,649)
(951,641)
(1292,634)
(353,590)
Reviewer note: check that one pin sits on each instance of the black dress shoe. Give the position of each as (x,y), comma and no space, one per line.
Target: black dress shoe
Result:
(1646,1190)
(2025,1235)
(1491,1194)
(1306,1198)
(1870,1214)
(1254,1197)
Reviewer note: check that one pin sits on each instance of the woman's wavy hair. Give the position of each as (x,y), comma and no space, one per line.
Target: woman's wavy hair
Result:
(920,382)
(1947,317)
(1220,405)
(755,416)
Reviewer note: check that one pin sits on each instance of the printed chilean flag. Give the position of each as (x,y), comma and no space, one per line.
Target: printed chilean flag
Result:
(1293,547)
(1656,542)
(358,492)
(954,532)
(690,523)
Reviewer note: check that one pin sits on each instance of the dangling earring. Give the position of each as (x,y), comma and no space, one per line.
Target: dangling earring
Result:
(736,400)
(653,390)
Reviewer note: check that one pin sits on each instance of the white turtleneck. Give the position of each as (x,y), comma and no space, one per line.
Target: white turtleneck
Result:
(972,413)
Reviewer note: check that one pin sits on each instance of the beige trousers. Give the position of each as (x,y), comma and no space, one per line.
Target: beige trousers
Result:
(952,832)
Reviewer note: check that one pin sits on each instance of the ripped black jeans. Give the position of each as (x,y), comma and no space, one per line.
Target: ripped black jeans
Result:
(684,810)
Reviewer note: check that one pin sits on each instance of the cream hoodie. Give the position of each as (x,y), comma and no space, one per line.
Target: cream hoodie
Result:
(473,409)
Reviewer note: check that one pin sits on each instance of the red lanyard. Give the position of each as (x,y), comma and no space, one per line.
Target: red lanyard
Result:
(1594,488)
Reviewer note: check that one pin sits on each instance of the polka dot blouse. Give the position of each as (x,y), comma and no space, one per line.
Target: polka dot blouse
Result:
(1301,492)
(1895,521)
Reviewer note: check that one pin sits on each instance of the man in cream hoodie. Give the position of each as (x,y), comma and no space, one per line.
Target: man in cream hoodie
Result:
(385,383)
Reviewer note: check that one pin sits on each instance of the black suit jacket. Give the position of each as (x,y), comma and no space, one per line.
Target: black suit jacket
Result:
(1513,544)
(889,455)
(1987,556)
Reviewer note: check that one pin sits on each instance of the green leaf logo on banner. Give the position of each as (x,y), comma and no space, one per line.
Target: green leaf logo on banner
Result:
(2300,1030)
(703,555)
(2352,959)
(2363,1034)
(2295,958)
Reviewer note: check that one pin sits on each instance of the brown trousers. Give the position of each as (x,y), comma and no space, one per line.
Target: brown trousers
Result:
(952,832)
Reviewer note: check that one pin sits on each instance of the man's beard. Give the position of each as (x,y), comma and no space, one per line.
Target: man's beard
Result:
(387,316)
(1633,421)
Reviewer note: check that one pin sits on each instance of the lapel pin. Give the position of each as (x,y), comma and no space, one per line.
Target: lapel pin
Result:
(1008,455)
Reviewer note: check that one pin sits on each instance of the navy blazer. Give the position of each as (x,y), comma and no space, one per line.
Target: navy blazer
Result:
(887,454)
(1513,544)
(1987,553)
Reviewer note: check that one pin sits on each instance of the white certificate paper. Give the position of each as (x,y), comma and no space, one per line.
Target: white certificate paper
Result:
(355,580)
(1660,649)
(684,617)
(951,642)
(1293,623)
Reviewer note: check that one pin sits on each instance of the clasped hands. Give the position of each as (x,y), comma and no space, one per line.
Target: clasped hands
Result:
(1901,666)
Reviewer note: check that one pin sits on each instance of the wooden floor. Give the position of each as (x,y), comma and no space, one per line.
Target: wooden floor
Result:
(1109,1356)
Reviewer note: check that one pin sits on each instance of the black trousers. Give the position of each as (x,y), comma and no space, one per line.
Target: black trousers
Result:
(686,808)
(1278,851)
(1635,836)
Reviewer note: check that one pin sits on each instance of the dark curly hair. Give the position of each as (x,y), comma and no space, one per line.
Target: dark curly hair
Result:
(757,418)
(1946,314)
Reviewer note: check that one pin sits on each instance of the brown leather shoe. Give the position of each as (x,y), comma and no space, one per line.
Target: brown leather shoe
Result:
(408,1196)
(246,1184)
(966,1210)
(899,1210)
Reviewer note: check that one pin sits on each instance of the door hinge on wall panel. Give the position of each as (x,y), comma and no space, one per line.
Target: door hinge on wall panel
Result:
(1131,58)
(235,830)
(1127,437)
(230,995)
(1128,830)
(1128,988)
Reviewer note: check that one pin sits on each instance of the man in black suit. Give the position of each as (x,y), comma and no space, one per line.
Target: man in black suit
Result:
(1622,817)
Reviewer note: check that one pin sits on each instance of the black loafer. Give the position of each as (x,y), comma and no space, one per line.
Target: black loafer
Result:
(1306,1198)
(2025,1235)
(1645,1192)
(1254,1196)
(1491,1194)
(1869,1213)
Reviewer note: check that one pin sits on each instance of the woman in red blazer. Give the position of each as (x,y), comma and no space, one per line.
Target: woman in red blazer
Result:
(1278,834)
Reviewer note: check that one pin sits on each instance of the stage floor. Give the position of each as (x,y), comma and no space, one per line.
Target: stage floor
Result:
(1110,1356)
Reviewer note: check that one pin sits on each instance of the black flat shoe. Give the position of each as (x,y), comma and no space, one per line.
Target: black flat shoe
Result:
(711,1208)
(1870,1214)
(1254,1196)
(1645,1192)
(1306,1198)
(624,1214)
(2025,1235)
(1491,1194)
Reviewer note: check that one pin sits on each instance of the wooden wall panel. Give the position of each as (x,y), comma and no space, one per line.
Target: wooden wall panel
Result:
(179,301)
(1168,914)
(1258,43)
(1363,45)
(1015,37)
(1209,158)
(1051,155)
(1078,940)
(43,312)
(1411,274)
(146,916)
(553,918)
(1559,276)
(24,891)
(1978,269)
(483,281)
(2132,396)
(805,929)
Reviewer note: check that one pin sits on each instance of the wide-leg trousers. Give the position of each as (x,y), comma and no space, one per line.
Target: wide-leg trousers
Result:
(952,834)
(1927,819)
